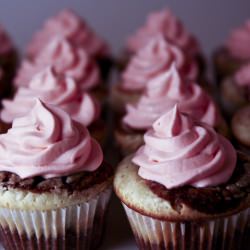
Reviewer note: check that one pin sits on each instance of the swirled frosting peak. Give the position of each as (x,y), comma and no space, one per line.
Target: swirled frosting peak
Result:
(66,59)
(238,42)
(179,151)
(242,76)
(165,23)
(46,142)
(154,59)
(165,91)
(56,89)
(67,24)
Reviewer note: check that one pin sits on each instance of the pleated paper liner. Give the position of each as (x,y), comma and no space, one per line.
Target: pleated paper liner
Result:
(229,233)
(74,227)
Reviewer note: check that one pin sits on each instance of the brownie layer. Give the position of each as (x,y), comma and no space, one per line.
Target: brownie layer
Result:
(210,200)
(72,183)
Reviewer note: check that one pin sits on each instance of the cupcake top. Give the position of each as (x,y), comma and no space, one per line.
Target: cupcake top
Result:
(179,151)
(47,143)
(242,76)
(163,93)
(66,59)
(67,24)
(154,59)
(238,42)
(56,89)
(5,43)
(165,23)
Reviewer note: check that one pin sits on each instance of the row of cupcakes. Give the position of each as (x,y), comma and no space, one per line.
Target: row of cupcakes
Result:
(187,171)
(186,186)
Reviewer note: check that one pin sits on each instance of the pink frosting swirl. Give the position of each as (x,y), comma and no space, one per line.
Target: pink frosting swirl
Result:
(46,142)
(154,59)
(5,42)
(238,42)
(165,23)
(55,89)
(163,93)
(66,59)
(179,151)
(68,24)
(242,76)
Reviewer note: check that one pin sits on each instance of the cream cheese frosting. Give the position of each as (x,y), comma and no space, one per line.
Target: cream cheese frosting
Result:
(56,89)
(165,23)
(179,151)
(67,24)
(154,59)
(163,93)
(47,142)
(66,59)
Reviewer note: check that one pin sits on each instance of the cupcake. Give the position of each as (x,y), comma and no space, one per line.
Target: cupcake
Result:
(240,129)
(234,53)
(235,91)
(149,62)
(58,90)
(162,94)
(186,188)
(166,23)
(66,59)
(69,25)
(8,63)
(54,184)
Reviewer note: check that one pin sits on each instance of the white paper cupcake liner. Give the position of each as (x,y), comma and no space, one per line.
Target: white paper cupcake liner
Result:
(229,233)
(74,227)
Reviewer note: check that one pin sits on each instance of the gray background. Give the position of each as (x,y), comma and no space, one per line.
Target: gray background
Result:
(210,20)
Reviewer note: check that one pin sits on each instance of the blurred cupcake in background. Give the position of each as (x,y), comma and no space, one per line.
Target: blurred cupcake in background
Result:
(162,93)
(59,90)
(234,53)
(240,129)
(54,184)
(163,22)
(66,59)
(235,91)
(186,188)
(67,24)
(8,63)
(149,62)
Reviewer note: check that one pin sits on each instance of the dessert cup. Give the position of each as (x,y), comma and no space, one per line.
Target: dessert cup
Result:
(186,188)
(52,197)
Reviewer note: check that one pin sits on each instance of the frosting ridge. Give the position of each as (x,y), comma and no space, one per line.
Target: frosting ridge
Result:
(47,143)
(165,23)
(163,93)
(56,89)
(66,59)
(179,151)
(153,59)
(67,24)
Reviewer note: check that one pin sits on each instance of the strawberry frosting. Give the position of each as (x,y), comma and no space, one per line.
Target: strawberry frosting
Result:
(46,142)
(179,151)
(154,59)
(5,42)
(163,93)
(67,24)
(238,42)
(55,89)
(66,59)
(165,23)
(242,76)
